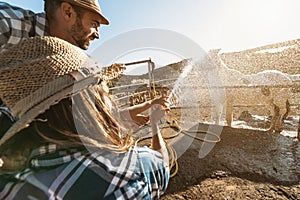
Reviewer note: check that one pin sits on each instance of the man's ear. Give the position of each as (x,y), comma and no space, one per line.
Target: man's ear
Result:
(67,11)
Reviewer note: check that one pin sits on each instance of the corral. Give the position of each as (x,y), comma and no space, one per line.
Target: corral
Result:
(270,92)
(249,162)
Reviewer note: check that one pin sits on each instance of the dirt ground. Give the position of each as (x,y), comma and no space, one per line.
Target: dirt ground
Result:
(245,164)
(235,188)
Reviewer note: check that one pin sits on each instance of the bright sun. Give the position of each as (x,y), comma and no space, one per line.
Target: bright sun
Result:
(252,23)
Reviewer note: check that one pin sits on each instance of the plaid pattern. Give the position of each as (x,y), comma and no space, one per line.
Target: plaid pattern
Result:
(5,111)
(139,173)
(6,119)
(17,23)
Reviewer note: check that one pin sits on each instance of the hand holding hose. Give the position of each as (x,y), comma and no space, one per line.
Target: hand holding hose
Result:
(157,112)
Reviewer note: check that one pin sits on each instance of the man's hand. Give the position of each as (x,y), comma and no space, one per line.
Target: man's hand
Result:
(113,72)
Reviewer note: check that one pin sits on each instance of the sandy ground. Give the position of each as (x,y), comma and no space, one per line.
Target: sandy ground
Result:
(245,164)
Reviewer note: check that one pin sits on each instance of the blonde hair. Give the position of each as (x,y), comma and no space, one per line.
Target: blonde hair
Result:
(84,119)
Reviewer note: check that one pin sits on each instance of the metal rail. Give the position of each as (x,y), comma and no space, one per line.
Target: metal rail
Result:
(138,62)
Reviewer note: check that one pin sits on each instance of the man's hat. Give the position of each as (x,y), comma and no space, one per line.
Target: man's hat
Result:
(39,72)
(92,5)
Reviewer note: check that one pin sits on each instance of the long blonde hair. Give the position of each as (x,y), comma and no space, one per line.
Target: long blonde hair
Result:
(84,119)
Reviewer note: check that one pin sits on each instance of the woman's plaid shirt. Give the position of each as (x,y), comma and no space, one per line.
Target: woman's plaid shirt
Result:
(59,173)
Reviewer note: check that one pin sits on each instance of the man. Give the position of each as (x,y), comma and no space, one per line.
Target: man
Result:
(76,21)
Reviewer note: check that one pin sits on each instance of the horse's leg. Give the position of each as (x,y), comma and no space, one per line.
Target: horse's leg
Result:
(229,112)
(274,115)
(282,114)
(215,114)
(217,111)
(277,118)
(288,109)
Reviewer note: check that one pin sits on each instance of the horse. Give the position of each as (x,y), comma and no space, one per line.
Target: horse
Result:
(262,88)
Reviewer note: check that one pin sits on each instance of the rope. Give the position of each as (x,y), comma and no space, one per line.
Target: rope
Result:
(173,164)
(175,126)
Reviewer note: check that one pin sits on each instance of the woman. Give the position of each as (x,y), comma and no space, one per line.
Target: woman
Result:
(67,143)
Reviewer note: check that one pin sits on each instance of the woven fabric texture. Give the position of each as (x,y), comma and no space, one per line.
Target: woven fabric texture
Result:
(34,62)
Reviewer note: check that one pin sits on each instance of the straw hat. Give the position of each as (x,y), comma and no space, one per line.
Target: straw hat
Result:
(92,5)
(39,72)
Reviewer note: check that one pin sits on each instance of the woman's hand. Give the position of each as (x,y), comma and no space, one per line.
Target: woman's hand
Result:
(162,101)
(158,143)
(157,112)
(158,109)
(140,120)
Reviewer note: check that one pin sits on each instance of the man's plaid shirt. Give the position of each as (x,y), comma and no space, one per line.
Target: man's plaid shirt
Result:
(70,173)
(17,23)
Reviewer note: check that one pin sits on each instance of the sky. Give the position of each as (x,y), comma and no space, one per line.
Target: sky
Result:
(231,25)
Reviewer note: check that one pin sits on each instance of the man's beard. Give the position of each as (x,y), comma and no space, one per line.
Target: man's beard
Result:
(79,35)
